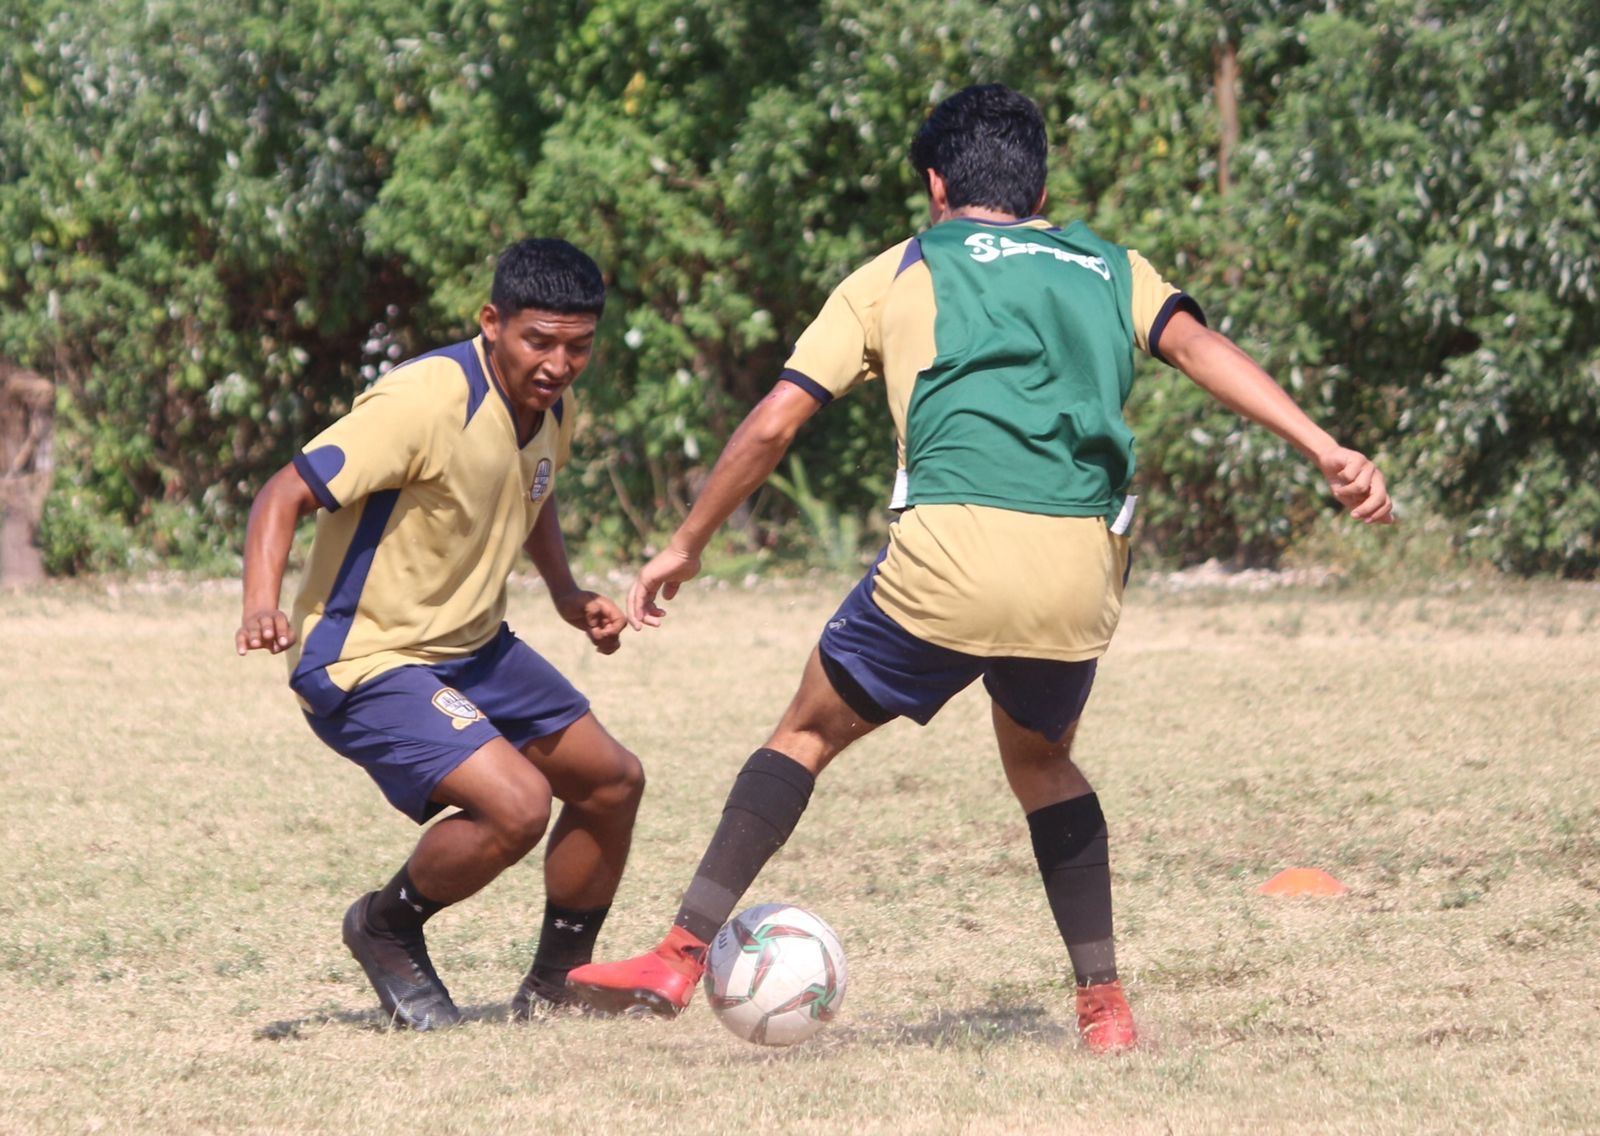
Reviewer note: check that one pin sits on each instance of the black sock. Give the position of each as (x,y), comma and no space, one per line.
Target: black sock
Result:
(566,940)
(399,906)
(766,802)
(1069,844)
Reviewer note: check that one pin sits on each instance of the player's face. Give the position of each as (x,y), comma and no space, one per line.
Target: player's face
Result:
(538,354)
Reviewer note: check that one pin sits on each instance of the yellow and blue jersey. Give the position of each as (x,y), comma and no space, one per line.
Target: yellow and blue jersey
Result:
(1006,351)
(428,496)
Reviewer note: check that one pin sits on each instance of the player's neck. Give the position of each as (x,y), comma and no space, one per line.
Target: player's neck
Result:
(979,213)
(525,418)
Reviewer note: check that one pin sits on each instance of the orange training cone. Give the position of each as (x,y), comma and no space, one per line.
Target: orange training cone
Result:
(1303,881)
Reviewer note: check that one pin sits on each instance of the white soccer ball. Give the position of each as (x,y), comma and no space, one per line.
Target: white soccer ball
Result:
(775,974)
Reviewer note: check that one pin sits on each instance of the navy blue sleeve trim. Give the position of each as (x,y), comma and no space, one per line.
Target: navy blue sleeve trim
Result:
(1177,302)
(806,383)
(319,487)
(912,255)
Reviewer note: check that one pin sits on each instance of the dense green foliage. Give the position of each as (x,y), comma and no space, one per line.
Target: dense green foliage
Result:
(222,218)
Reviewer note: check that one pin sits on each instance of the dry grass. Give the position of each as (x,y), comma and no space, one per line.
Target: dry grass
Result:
(179,850)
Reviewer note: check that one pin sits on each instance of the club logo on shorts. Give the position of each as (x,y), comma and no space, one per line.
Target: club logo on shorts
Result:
(457,707)
(541,480)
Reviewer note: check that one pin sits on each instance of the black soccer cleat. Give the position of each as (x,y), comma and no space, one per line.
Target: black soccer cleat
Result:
(539,998)
(399,969)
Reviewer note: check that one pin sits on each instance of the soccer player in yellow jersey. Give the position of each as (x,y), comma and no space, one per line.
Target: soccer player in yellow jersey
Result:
(1005,346)
(440,475)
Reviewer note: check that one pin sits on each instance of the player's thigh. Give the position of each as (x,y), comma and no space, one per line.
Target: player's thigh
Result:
(546,719)
(818,723)
(883,671)
(583,762)
(409,730)
(498,784)
(1046,696)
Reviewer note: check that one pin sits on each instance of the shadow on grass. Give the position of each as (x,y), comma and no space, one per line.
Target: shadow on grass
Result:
(377,1021)
(984,1025)
(953,1029)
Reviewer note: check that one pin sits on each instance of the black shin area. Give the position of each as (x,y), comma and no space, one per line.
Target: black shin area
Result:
(399,906)
(566,940)
(767,800)
(1069,844)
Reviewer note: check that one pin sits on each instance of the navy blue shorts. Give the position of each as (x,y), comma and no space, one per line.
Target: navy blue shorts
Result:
(410,727)
(882,671)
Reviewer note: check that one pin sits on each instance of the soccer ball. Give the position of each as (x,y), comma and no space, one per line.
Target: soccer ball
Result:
(775,974)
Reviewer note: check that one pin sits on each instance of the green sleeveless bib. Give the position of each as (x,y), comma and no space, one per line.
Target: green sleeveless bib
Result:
(1022,407)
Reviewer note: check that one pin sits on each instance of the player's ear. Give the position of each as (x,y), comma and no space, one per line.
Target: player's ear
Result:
(1038,210)
(489,322)
(938,195)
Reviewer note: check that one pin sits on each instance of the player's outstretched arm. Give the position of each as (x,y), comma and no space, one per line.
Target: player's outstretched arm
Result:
(749,458)
(283,500)
(1220,367)
(595,615)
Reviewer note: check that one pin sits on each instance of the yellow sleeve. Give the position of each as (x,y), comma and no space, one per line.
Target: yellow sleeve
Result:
(1150,296)
(843,347)
(399,430)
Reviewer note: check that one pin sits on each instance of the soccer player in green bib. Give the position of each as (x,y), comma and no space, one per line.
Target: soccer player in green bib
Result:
(1005,346)
(426,493)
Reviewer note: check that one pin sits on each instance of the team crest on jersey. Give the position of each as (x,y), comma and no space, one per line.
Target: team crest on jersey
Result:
(541,480)
(457,707)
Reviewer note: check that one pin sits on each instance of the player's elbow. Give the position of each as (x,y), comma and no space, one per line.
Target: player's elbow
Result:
(286,492)
(1212,361)
(771,435)
(767,432)
(775,421)
(1188,344)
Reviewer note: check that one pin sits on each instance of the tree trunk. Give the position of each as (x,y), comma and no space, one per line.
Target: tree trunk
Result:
(1228,112)
(27,437)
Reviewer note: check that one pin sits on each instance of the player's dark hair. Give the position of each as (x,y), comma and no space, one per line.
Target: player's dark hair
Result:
(989,144)
(548,274)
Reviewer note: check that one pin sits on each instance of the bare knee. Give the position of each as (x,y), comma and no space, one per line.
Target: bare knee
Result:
(622,787)
(1040,770)
(517,827)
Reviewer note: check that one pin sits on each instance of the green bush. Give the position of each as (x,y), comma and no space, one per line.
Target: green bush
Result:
(79,535)
(222,221)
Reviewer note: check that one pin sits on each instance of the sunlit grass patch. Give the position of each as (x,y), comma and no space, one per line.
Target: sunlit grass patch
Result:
(180,849)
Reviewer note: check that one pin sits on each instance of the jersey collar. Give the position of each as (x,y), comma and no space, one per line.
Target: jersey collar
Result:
(505,396)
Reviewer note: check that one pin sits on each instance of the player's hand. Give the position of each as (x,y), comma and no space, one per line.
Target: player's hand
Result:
(596,616)
(665,572)
(265,629)
(1357,485)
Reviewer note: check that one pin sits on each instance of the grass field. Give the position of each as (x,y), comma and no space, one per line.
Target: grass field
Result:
(179,850)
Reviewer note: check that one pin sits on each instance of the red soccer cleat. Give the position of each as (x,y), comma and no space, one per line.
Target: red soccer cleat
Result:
(662,981)
(1104,1019)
